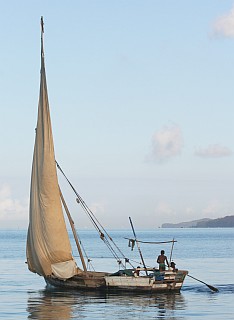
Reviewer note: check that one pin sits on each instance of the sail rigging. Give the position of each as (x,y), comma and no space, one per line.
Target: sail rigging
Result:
(104,235)
(48,247)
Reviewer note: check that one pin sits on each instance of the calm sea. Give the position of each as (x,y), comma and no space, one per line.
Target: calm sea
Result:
(208,254)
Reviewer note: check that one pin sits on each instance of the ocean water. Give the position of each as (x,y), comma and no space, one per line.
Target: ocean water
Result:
(208,254)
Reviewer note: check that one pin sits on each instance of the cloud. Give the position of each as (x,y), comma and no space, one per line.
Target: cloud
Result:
(164,213)
(11,209)
(212,208)
(166,143)
(97,207)
(164,208)
(224,25)
(213,151)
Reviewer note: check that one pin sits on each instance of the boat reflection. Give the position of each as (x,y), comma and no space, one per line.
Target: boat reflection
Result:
(48,305)
(56,304)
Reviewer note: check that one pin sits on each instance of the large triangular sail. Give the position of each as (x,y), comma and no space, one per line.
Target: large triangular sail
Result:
(48,246)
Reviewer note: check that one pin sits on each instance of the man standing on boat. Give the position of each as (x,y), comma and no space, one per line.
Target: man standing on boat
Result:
(161,261)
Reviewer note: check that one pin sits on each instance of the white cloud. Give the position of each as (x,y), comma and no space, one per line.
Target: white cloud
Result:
(211,209)
(97,208)
(213,151)
(11,209)
(224,25)
(166,143)
(164,209)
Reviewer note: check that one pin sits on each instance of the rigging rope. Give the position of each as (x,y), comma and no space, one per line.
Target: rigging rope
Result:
(132,242)
(88,259)
(98,226)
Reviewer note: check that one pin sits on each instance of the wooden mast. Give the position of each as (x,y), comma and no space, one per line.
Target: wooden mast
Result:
(138,246)
(74,231)
(172,246)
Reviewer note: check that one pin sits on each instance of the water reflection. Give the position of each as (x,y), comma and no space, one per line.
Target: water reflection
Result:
(55,304)
(48,305)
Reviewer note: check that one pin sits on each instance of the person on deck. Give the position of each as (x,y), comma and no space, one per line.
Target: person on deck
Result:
(161,261)
(137,272)
(173,266)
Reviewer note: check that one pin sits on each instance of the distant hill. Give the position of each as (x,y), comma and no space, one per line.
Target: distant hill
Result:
(226,222)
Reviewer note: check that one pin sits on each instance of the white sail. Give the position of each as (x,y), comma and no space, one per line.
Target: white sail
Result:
(48,246)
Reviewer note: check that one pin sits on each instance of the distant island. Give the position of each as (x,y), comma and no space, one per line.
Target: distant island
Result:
(225,222)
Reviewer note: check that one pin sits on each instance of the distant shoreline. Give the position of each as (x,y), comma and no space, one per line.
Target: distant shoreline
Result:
(225,222)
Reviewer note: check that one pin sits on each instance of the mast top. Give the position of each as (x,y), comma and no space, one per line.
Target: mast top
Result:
(42,32)
(42,25)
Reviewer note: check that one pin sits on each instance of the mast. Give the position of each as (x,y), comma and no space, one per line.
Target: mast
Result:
(73,230)
(172,246)
(42,45)
(138,246)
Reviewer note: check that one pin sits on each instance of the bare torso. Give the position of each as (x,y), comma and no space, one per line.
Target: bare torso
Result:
(162,259)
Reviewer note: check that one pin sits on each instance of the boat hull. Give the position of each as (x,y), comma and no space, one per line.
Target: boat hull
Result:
(95,281)
(163,282)
(88,280)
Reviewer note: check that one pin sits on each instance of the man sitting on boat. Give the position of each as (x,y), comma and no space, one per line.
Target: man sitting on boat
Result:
(137,271)
(161,261)
(173,266)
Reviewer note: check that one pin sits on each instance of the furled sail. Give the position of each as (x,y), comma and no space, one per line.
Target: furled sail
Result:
(48,246)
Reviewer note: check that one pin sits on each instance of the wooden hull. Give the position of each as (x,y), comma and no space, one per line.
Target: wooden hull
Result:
(99,281)
(170,282)
(89,281)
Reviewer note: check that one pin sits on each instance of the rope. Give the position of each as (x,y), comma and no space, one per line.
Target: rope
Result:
(88,259)
(101,230)
(148,242)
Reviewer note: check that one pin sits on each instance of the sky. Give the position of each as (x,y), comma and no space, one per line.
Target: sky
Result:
(142,107)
